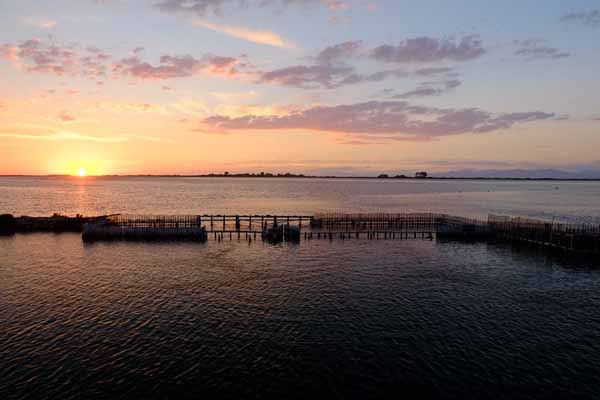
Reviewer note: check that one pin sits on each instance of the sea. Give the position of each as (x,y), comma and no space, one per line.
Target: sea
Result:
(354,319)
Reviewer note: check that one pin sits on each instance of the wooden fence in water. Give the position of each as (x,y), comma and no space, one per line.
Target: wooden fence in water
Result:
(400,222)
(583,238)
(211,222)
(565,236)
(374,221)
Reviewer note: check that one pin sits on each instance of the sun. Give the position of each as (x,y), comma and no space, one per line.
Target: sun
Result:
(81,172)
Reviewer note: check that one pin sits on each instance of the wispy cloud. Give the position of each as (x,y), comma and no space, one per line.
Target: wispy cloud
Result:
(587,18)
(41,133)
(251,35)
(430,89)
(220,7)
(427,50)
(65,136)
(40,23)
(536,49)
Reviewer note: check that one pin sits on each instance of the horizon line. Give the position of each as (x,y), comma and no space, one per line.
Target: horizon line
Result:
(292,176)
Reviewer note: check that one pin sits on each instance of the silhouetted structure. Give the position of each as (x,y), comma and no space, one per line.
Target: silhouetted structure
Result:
(577,238)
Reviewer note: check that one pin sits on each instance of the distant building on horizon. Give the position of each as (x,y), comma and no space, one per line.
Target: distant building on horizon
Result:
(421,175)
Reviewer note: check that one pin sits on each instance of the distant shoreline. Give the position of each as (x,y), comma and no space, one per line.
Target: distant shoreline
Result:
(294,176)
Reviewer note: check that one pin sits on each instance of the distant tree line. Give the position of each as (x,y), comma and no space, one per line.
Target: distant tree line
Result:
(418,175)
(227,174)
(257,175)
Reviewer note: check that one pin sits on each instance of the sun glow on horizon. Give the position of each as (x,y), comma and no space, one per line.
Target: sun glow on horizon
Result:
(81,172)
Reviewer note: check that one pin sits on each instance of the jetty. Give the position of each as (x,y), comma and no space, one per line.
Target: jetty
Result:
(569,238)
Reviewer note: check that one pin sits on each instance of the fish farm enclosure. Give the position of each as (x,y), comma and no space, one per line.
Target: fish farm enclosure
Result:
(579,238)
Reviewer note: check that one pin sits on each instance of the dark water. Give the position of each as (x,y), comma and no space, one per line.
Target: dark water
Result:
(346,319)
(353,319)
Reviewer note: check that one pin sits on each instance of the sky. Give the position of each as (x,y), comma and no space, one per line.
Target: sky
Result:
(345,87)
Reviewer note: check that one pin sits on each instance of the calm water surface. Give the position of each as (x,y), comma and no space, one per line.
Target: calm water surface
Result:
(343,319)
(93,196)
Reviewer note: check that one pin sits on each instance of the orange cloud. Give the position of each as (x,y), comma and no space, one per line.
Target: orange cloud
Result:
(39,23)
(251,35)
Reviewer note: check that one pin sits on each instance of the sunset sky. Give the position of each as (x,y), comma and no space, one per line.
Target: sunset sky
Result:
(306,86)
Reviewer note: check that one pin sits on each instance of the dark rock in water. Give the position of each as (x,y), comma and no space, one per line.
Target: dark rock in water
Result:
(273,234)
(279,233)
(292,233)
(8,224)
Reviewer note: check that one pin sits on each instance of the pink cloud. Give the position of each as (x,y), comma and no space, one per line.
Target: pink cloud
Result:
(66,117)
(38,56)
(177,67)
(8,52)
